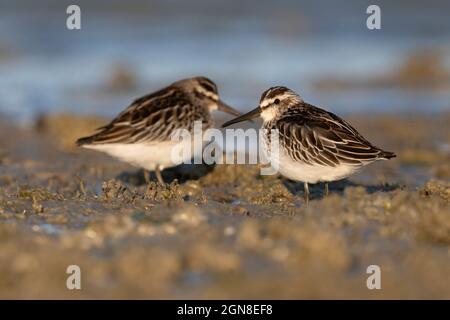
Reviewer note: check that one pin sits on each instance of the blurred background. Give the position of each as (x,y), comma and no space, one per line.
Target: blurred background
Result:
(223,231)
(320,49)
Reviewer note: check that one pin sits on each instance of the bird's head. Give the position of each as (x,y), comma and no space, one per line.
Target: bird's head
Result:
(273,102)
(204,91)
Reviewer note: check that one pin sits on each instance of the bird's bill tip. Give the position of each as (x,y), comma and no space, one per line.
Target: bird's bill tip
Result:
(222,106)
(248,116)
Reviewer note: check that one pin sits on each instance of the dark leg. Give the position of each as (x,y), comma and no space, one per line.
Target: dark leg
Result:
(326,189)
(158,174)
(306,188)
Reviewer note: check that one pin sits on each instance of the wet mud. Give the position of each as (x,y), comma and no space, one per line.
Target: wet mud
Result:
(222,231)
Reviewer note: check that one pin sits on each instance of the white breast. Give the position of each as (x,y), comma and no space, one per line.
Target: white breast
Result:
(148,155)
(300,171)
(313,173)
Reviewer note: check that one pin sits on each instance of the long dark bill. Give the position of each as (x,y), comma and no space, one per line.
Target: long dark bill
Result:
(222,106)
(248,116)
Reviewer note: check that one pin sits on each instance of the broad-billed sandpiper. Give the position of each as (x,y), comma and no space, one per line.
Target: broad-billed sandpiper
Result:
(141,134)
(314,145)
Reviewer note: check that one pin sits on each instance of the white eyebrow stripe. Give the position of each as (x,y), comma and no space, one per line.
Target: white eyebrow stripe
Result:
(263,104)
(207,93)
(267,102)
(285,95)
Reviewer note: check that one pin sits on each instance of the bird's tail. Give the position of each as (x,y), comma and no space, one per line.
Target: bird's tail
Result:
(84,141)
(387,155)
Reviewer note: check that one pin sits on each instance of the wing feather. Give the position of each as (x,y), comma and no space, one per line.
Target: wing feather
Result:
(315,136)
(151,118)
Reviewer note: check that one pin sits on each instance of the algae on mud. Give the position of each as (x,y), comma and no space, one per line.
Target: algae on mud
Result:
(225,232)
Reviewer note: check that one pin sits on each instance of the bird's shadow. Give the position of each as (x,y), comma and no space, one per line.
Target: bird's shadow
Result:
(180,173)
(336,187)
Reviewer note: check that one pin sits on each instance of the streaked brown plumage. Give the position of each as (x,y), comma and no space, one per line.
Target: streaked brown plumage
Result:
(141,134)
(315,136)
(315,145)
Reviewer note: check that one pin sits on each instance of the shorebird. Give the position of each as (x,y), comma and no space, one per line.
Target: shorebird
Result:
(141,134)
(314,145)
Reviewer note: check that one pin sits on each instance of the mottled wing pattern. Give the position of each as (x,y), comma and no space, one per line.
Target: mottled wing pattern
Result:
(153,118)
(317,137)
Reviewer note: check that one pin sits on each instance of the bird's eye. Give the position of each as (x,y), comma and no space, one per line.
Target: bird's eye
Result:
(276,101)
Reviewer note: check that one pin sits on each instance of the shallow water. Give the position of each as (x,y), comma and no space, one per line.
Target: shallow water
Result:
(125,51)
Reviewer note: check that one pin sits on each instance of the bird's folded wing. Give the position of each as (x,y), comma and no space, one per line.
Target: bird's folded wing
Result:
(325,141)
(152,118)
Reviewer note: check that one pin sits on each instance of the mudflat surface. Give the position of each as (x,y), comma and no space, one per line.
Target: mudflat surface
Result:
(223,231)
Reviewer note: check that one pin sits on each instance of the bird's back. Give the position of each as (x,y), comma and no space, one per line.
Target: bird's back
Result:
(152,118)
(315,136)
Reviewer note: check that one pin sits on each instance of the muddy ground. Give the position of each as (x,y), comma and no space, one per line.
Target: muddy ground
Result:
(224,231)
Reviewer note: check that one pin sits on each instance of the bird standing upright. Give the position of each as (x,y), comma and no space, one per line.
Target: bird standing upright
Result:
(314,145)
(141,134)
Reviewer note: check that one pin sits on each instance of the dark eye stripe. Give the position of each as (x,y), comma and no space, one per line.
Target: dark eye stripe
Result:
(208,87)
(198,94)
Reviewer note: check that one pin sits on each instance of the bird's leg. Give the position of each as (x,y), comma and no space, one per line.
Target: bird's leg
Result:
(306,188)
(325,190)
(158,174)
(147,176)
